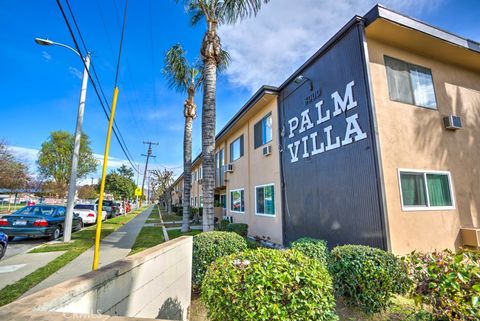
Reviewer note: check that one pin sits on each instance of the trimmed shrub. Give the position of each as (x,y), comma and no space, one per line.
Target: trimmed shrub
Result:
(448,282)
(209,246)
(367,277)
(239,228)
(222,225)
(252,245)
(266,284)
(313,248)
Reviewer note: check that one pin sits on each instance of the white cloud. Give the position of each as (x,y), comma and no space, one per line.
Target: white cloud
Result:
(268,48)
(28,155)
(74,71)
(46,55)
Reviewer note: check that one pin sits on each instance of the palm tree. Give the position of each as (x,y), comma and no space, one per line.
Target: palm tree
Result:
(215,13)
(185,78)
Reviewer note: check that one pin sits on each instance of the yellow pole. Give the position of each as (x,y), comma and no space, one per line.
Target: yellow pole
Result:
(102,184)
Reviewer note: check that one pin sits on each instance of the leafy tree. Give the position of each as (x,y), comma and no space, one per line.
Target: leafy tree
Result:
(120,183)
(55,159)
(13,174)
(87,192)
(215,13)
(185,78)
(162,186)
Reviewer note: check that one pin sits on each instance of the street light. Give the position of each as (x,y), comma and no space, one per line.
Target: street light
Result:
(67,229)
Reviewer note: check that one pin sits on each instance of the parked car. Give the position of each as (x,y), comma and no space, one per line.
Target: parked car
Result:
(109,207)
(88,213)
(119,206)
(38,221)
(3,244)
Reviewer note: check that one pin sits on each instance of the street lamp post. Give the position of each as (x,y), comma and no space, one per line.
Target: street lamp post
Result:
(67,228)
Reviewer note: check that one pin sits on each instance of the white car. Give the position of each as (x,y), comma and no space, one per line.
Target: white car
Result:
(88,213)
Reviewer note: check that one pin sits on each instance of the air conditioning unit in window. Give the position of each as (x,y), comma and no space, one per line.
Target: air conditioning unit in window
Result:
(452,122)
(228,218)
(267,150)
(229,168)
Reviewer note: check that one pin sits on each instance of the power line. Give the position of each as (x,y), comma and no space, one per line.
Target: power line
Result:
(129,156)
(90,76)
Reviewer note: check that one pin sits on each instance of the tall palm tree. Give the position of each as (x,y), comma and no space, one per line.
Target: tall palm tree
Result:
(215,13)
(185,78)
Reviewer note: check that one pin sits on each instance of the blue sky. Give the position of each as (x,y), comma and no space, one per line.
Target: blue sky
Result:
(40,85)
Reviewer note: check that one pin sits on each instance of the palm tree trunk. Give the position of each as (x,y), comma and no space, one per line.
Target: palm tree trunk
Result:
(208,143)
(187,173)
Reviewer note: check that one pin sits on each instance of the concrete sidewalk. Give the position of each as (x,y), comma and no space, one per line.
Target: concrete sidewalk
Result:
(19,266)
(114,247)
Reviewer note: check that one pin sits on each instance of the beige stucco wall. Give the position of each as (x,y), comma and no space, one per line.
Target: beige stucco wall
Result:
(155,283)
(415,138)
(196,190)
(254,169)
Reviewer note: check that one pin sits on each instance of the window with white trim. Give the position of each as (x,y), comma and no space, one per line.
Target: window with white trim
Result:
(237,200)
(426,190)
(265,200)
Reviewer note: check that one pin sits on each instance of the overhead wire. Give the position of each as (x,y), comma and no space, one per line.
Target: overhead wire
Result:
(92,81)
(96,75)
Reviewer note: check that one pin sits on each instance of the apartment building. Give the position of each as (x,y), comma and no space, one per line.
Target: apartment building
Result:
(374,140)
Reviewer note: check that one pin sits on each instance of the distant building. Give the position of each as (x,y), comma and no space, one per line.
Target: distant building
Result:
(374,140)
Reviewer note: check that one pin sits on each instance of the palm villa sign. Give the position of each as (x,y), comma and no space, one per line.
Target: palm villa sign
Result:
(321,140)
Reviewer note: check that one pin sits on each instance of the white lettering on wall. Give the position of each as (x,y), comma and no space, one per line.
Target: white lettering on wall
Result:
(316,150)
(347,103)
(329,137)
(322,119)
(294,154)
(353,128)
(305,147)
(306,122)
(328,133)
(291,123)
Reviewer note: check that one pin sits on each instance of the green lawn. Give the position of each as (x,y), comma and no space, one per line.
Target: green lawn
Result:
(171,217)
(149,236)
(81,241)
(176,233)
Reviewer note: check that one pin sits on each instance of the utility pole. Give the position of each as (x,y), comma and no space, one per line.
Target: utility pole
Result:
(149,154)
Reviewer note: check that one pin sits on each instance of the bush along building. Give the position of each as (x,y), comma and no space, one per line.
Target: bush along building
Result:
(374,140)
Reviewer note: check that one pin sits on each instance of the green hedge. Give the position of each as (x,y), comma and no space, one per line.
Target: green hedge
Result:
(313,248)
(222,225)
(239,228)
(448,282)
(209,246)
(367,277)
(267,284)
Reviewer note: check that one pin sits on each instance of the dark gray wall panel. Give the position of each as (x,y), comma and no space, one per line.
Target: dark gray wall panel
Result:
(332,195)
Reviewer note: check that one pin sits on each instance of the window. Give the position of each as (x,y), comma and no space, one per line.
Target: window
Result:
(201,201)
(411,84)
(236,149)
(194,176)
(265,200)
(237,200)
(426,190)
(219,160)
(200,173)
(223,200)
(263,131)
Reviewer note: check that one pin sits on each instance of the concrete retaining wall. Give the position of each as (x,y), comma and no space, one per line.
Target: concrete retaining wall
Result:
(155,283)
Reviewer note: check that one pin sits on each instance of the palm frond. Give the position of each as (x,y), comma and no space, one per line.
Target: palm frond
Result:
(176,68)
(230,11)
(224,61)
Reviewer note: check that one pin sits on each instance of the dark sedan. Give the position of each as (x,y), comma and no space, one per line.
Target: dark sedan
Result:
(37,221)
(3,244)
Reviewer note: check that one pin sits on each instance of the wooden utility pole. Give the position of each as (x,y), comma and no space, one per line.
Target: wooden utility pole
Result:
(148,155)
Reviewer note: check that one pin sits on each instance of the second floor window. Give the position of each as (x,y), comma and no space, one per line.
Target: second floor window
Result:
(263,131)
(411,84)
(236,149)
